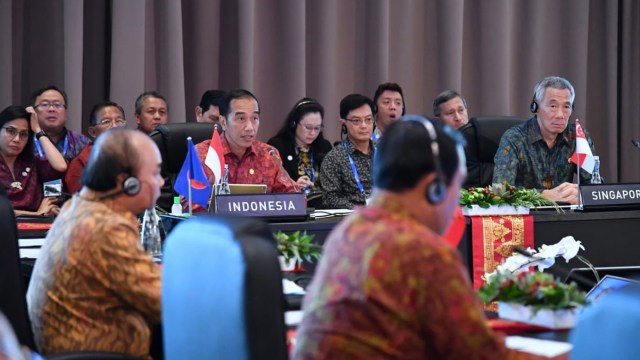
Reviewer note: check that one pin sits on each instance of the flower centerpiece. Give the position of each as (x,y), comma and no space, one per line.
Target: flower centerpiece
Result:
(295,248)
(533,296)
(501,199)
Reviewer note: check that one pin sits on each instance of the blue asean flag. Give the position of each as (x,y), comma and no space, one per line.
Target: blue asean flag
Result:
(192,174)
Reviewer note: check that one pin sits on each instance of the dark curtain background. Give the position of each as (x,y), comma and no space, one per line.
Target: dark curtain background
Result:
(493,51)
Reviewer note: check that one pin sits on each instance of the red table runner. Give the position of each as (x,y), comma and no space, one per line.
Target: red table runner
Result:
(493,239)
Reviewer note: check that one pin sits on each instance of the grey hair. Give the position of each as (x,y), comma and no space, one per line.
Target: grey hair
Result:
(148,94)
(555,82)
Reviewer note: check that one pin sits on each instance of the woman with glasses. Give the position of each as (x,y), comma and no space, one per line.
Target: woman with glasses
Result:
(21,172)
(302,146)
(104,116)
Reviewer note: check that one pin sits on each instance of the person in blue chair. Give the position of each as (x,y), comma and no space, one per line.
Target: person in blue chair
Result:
(93,287)
(388,285)
(536,153)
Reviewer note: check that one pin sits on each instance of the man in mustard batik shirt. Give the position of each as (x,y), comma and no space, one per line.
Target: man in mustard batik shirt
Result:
(388,285)
(93,287)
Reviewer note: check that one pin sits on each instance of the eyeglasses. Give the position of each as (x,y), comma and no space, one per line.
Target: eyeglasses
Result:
(43,106)
(357,121)
(108,123)
(12,132)
(310,128)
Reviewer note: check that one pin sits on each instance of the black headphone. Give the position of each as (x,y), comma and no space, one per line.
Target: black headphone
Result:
(343,129)
(130,186)
(534,105)
(437,189)
(294,123)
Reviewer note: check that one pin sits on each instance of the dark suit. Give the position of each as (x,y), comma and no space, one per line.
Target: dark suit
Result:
(289,156)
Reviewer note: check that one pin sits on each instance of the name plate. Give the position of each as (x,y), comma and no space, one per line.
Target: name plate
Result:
(280,205)
(610,195)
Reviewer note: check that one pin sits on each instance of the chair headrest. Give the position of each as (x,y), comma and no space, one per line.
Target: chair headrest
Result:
(172,141)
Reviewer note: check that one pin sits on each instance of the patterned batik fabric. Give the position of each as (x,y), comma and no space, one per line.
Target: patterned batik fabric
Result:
(257,166)
(524,160)
(93,287)
(340,190)
(75,169)
(389,287)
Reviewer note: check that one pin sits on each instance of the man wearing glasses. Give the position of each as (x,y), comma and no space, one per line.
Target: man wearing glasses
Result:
(104,116)
(50,104)
(346,170)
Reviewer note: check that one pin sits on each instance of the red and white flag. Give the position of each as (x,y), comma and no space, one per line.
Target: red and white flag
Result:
(583,151)
(215,157)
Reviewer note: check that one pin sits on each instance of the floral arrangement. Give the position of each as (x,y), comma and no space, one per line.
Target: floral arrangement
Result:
(297,246)
(513,280)
(503,194)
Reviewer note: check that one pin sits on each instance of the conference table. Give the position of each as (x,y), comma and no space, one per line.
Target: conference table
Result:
(610,238)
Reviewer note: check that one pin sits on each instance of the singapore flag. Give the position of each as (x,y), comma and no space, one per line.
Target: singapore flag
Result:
(583,151)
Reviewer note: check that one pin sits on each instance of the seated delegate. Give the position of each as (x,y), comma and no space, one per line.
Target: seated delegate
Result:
(303,147)
(22,173)
(536,153)
(346,170)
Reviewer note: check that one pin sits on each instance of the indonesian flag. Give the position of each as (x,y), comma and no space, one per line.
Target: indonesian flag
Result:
(215,157)
(583,151)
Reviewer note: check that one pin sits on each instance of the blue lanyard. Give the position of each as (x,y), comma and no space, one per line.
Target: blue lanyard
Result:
(353,168)
(65,146)
(311,176)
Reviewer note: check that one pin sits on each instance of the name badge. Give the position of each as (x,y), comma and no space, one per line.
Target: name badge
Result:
(610,196)
(274,205)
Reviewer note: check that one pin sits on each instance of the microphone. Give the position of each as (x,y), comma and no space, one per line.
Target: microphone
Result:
(636,143)
(559,270)
(275,158)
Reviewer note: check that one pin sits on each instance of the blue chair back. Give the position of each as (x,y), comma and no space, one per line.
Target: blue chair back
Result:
(222,292)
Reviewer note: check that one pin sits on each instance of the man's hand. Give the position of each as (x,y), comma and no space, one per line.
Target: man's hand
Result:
(304,181)
(35,125)
(565,192)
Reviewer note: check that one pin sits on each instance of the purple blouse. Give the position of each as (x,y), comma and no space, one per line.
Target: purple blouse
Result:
(25,191)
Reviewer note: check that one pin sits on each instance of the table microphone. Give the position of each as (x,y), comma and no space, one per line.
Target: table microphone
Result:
(275,158)
(559,270)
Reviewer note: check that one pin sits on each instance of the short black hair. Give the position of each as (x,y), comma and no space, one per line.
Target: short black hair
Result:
(389,86)
(211,98)
(225,105)
(445,96)
(354,101)
(40,91)
(93,115)
(403,155)
(111,155)
(15,112)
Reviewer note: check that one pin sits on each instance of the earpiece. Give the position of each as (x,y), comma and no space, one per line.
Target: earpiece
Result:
(534,105)
(343,129)
(437,189)
(131,186)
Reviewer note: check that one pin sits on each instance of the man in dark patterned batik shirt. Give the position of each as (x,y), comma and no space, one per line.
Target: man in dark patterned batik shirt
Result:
(388,286)
(535,154)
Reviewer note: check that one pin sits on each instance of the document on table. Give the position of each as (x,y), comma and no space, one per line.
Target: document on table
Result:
(548,348)
(29,243)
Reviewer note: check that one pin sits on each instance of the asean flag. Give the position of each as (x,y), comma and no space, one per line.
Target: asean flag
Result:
(192,175)
(583,151)
(215,157)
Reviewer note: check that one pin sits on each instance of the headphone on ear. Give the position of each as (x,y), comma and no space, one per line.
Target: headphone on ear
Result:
(295,109)
(436,191)
(343,129)
(534,105)
(131,186)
